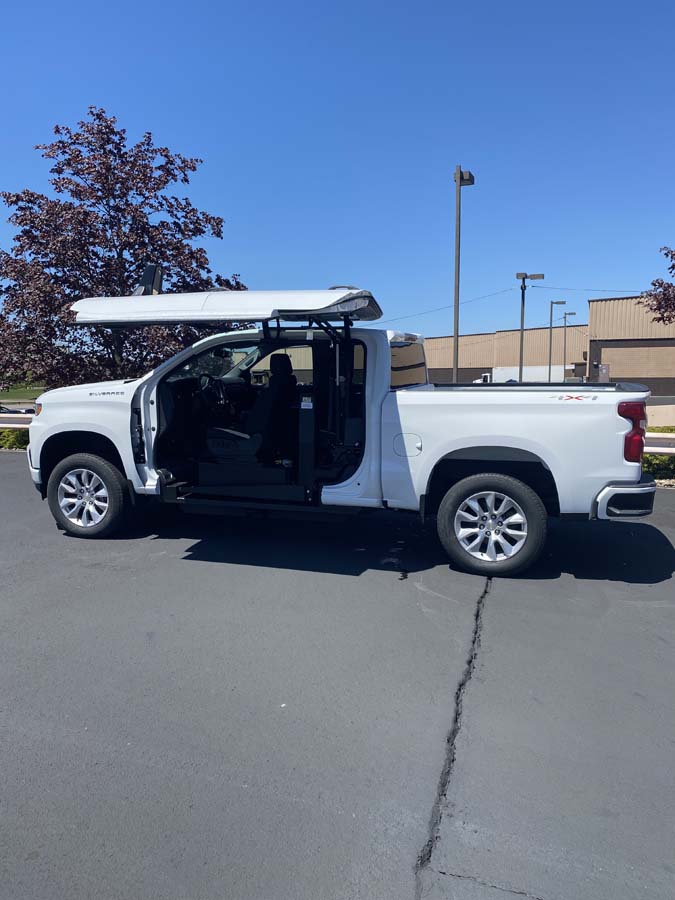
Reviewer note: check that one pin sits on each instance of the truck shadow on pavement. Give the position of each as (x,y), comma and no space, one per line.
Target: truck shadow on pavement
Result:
(630,552)
(341,546)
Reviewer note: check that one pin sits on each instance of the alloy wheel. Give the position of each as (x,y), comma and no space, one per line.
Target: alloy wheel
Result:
(83,497)
(490,526)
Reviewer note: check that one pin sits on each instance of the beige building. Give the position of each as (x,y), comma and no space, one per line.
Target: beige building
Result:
(620,335)
(497,353)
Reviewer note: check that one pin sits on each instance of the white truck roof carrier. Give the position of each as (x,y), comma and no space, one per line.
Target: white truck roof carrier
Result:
(211,307)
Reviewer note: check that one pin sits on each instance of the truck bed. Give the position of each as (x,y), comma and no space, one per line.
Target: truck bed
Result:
(614,386)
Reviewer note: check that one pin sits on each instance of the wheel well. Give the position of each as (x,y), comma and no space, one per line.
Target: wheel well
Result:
(521,464)
(66,443)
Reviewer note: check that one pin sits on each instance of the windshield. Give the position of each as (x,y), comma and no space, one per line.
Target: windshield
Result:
(243,364)
(220,361)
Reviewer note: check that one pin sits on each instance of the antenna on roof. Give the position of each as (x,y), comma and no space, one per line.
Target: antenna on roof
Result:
(151,281)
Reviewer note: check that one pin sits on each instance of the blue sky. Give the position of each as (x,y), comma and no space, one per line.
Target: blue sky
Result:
(330,133)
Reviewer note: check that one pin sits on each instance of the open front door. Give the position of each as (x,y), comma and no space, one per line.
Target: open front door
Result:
(236,421)
(274,421)
(259,440)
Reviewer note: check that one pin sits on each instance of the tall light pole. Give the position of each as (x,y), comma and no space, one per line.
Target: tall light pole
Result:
(522,276)
(550,335)
(462,179)
(566,316)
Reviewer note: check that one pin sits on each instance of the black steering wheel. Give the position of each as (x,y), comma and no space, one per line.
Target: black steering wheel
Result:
(213,390)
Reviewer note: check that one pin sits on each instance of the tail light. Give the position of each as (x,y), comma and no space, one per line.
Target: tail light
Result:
(634,441)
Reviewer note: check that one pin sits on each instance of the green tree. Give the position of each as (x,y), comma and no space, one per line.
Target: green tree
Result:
(110,212)
(660,300)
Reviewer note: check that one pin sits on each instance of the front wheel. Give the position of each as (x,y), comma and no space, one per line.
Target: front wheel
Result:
(492,524)
(86,496)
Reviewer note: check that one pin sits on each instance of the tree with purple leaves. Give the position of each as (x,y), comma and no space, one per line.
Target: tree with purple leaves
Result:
(107,215)
(661,299)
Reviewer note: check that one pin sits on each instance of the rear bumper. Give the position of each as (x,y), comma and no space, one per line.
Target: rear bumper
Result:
(624,501)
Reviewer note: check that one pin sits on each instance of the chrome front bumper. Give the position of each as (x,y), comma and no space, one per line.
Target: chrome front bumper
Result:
(625,501)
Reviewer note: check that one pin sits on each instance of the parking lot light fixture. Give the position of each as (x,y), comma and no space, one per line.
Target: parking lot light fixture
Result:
(523,277)
(566,316)
(550,336)
(463,178)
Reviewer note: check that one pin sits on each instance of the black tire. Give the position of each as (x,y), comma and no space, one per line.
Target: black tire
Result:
(115,487)
(532,508)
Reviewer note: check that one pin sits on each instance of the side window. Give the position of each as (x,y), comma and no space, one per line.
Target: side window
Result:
(359,376)
(357,398)
(408,364)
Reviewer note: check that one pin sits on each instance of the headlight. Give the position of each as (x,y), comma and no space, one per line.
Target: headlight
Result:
(38,409)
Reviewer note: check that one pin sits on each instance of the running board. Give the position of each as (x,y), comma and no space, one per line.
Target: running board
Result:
(208,506)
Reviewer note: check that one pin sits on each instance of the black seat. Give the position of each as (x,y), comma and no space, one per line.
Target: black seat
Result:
(270,416)
(269,425)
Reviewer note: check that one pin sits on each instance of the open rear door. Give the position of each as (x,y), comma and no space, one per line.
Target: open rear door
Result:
(212,307)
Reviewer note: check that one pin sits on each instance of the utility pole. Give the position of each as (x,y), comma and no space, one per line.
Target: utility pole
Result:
(462,179)
(522,277)
(566,315)
(550,336)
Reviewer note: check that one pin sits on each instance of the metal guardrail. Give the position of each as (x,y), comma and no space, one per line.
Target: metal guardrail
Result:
(24,423)
(660,442)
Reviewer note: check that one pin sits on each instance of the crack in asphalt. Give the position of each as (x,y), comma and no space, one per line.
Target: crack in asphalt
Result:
(497,887)
(436,818)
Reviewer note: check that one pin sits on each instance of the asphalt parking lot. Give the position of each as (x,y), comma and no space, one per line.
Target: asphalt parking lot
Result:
(254,709)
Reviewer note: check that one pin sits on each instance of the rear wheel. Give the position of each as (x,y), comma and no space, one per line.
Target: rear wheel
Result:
(492,524)
(86,496)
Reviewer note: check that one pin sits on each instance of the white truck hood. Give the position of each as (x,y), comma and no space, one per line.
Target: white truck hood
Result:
(96,389)
(228,306)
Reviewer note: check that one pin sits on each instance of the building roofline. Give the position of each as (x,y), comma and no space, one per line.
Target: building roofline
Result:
(542,328)
(629,297)
(438,337)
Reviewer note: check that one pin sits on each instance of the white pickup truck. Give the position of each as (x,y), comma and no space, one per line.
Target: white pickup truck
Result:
(316,413)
